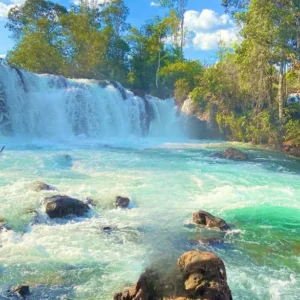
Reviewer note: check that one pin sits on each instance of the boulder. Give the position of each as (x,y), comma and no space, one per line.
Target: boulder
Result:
(20,290)
(291,148)
(62,206)
(206,219)
(198,275)
(232,153)
(204,276)
(122,202)
(42,186)
(144,289)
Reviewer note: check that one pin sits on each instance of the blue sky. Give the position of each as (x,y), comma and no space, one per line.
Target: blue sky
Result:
(205,21)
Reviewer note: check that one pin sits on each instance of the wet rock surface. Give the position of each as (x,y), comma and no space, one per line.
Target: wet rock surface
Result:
(42,186)
(62,206)
(198,275)
(232,153)
(21,291)
(291,148)
(4,226)
(122,202)
(204,218)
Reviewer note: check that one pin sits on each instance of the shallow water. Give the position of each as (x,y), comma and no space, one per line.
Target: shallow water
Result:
(75,259)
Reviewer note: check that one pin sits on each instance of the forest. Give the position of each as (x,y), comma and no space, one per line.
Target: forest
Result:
(245,91)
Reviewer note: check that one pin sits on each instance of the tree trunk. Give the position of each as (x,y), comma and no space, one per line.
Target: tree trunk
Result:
(281,92)
(182,33)
(158,68)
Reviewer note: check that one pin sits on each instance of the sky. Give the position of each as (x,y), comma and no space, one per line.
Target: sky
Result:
(205,21)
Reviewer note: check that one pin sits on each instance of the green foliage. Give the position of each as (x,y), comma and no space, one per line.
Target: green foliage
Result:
(292,132)
(182,89)
(36,54)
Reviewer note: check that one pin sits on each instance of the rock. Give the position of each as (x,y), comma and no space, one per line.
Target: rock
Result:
(206,219)
(42,186)
(291,148)
(204,276)
(4,226)
(62,206)
(139,93)
(21,291)
(144,289)
(232,153)
(90,202)
(198,275)
(122,202)
(67,157)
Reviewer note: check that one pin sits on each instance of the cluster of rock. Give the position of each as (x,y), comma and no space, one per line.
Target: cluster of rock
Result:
(198,275)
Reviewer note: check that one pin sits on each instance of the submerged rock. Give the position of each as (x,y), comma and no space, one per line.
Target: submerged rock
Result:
(42,186)
(122,202)
(62,206)
(232,153)
(4,226)
(206,219)
(20,290)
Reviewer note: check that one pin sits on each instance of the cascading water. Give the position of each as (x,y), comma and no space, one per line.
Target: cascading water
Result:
(46,106)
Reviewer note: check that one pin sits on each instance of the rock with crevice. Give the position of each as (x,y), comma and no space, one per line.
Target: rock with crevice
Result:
(204,218)
(63,206)
(232,153)
(204,276)
(198,275)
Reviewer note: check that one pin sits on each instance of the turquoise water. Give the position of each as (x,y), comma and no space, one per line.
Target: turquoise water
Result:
(75,259)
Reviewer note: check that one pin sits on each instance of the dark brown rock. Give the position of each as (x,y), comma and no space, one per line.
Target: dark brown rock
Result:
(122,202)
(21,291)
(291,148)
(206,219)
(144,289)
(140,93)
(62,206)
(232,153)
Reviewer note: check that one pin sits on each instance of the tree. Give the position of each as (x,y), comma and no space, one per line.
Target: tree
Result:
(180,7)
(36,29)
(113,15)
(28,14)
(148,52)
(85,45)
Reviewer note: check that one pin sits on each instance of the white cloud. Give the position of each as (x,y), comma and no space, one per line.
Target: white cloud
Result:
(17,1)
(205,20)
(211,40)
(3,55)
(208,28)
(4,8)
(154,4)
(91,1)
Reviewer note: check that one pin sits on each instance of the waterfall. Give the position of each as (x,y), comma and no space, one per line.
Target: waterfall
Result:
(47,106)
